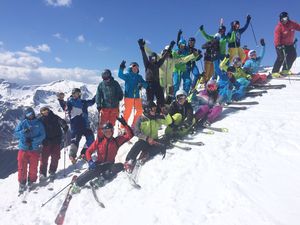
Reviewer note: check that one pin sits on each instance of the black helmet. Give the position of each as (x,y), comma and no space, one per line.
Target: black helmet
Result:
(192,39)
(222,28)
(231,69)
(76,90)
(235,22)
(283,15)
(29,112)
(107,125)
(106,74)
(148,106)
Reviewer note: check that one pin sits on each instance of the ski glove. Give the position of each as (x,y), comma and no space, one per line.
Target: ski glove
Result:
(201,27)
(262,42)
(122,65)
(92,165)
(122,121)
(248,17)
(141,43)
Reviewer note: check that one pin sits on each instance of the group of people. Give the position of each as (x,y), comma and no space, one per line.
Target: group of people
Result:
(226,76)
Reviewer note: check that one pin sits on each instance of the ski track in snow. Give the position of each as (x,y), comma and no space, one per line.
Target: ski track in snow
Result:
(247,176)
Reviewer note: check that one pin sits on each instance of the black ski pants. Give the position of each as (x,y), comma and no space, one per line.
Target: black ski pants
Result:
(285,58)
(107,170)
(154,89)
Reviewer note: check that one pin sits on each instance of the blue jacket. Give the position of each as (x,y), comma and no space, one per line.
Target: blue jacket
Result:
(251,66)
(132,83)
(36,133)
(75,108)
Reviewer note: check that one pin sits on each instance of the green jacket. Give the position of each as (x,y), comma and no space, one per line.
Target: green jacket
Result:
(223,41)
(240,73)
(148,126)
(109,94)
(167,68)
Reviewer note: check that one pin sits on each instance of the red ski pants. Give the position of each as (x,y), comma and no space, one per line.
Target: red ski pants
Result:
(25,159)
(107,115)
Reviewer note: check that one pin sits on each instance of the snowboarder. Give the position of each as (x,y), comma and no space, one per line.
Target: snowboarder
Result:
(146,129)
(133,83)
(108,97)
(252,65)
(78,123)
(104,168)
(30,133)
(284,43)
(152,65)
(51,144)
(234,45)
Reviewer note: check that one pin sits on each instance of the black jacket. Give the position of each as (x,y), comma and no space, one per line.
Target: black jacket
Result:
(53,125)
(186,110)
(212,50)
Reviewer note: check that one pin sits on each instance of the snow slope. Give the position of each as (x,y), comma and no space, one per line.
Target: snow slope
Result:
(247,176)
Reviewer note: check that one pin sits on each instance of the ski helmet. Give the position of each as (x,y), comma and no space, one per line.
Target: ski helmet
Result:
(106,74)
(251,53)
(107,125)
(148,107)
(222,28)
(29,112)
(211,85)
(231,69)
(182,42)
(133,64)
(283,15)
(217,36)
(192,39)
(153,56)
(76,90)
(234,23)
(180,93)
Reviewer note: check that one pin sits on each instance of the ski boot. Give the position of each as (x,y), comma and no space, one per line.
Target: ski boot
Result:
(75,189)
(22,188)
(128,166)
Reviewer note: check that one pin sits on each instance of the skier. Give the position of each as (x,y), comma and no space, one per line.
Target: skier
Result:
(182,115)
(191,65)
(284,43)
(210,104)
(78,123)
(166,70)
(133,83)
(104,168)
(234,45)
(252,65)
(152,65)
(108,97)
(30,133)
(51,144)
(146,129)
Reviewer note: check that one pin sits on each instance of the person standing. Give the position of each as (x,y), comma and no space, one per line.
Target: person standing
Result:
(108,97)
(284,37)
(51,144)
(30,133)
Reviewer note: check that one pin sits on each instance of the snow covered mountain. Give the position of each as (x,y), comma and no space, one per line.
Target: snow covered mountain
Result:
(246,176)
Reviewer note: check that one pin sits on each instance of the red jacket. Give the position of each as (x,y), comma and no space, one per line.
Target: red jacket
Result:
(107,149)
(285,33)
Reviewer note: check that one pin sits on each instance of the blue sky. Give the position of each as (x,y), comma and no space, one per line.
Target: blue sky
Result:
(52,39)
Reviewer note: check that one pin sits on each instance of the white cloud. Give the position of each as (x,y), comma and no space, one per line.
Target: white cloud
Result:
(19,59)
(1,43)
(59,2)
(37,49)
(57,59)
(80,38)
(100,20)
(60,37)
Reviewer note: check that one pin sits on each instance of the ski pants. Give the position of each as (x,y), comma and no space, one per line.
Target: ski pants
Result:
(107,115)
(76,137)
(259,79)
(285,58)
(52,150)
(136,105)
(209,70)
(145,147)
(155,90)
(195,71)
(25,159)
(107,170)
(210,113)
(177,81)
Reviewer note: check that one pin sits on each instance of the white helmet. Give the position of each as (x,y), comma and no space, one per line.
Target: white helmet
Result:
(181,92)
(251,52)
(217,36)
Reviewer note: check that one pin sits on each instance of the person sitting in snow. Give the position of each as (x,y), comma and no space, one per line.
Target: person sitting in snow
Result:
(146,129)
(31,133)
(210,104)
(182,115)
(252,65)
(51,144)
(106,146)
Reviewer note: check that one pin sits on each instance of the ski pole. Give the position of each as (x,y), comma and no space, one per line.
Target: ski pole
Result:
(285,62)
(65,149)
(253,33)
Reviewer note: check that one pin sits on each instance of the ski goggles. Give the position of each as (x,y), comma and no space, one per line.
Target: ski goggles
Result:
(134,65)
(29,114)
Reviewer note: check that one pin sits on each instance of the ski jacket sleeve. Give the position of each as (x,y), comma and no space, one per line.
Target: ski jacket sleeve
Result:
(90,102)
(145,58)
(121,74)
(91,149)
(244,28)
(99,96)
(206,36)
(138,131)
(162,59)
(262,54)
(37,140)
(231,36)
(184,59)
(19,132)
(125,137)
(295,25)
(223,64)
